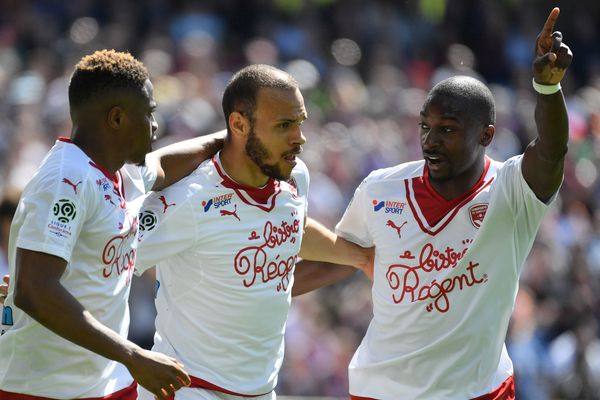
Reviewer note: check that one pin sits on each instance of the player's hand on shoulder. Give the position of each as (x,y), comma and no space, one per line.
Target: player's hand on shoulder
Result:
(4,288)
(552,56)
(158,373)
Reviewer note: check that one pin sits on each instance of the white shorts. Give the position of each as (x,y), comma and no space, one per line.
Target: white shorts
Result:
(186,393)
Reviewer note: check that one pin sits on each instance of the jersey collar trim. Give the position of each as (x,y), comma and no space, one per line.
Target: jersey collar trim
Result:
(431,211)
(263,197)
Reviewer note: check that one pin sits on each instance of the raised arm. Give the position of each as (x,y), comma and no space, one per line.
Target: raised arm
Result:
(543,161)
(320,244)
(39,293)
(180,159)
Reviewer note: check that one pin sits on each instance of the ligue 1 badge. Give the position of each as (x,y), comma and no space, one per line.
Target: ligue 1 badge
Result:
(477,213)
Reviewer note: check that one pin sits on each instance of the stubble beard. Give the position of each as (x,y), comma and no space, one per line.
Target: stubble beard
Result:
(259,153)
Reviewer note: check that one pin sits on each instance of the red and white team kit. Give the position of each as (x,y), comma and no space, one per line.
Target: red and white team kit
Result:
(226,256)
(445,280)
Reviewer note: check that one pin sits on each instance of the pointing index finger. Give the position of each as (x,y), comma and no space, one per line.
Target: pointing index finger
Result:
(549,24)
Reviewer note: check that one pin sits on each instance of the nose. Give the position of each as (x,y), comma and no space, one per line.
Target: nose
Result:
(429,139)
(298,137)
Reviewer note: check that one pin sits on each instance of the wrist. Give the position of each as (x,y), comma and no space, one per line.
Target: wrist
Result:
(129,355)
(545,89)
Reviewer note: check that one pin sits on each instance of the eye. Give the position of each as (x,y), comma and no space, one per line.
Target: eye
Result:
(284,125)
(423,126)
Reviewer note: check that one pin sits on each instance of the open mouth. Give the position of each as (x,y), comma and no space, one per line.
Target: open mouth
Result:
(434,159)
(290,158)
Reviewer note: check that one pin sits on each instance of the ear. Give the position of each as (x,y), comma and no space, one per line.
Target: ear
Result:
(238,124)
(115,117)
(487,135)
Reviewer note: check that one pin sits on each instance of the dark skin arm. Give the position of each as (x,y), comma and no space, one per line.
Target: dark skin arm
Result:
(320,244)
(543,160)
(180,159)
(39,293)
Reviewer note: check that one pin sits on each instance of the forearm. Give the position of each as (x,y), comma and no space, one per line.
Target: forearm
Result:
(309,276)
(180,159)
(552,123)
(73,322)
(320,244)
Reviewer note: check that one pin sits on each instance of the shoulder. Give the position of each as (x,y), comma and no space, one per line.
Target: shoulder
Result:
(65,165)
(300,171)
(509,167)
(200,182)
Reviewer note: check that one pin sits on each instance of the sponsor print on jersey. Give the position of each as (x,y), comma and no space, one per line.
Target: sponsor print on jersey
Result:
(253,262)
(217,202)
(165,204)
(103,184)
(389,206)
(410,280)
(64,211)
(233,213)
(70,183)
(477,213)
(119,252)
(147,220)
(395,227)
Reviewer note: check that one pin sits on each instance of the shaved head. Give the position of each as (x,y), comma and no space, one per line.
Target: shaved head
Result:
(469,96)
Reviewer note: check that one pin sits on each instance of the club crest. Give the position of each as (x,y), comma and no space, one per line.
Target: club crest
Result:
(477,213)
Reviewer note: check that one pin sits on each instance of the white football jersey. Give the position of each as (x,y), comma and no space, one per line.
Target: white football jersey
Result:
(446,277)
(73,209)
(226,255)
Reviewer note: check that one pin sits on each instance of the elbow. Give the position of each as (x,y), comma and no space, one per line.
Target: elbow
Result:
(24,297)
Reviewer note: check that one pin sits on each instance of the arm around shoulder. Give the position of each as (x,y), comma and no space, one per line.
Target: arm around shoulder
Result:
(320,244)
(180,159)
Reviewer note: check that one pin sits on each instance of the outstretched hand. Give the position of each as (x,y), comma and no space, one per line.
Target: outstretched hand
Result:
(552,56)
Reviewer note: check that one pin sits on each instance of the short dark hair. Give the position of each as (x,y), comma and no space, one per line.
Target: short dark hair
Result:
(241,92)
(103,72)
(472,96)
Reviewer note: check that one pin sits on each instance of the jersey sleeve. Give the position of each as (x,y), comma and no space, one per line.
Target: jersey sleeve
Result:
(167,226)
(527,210)
(52,213)
(353,225)
(147,173)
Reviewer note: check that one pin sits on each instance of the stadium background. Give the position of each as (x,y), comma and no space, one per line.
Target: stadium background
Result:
(364,68)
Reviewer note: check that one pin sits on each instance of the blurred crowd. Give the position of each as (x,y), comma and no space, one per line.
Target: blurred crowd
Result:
(364,68)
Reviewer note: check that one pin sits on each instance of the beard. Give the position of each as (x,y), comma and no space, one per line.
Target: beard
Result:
(258,153)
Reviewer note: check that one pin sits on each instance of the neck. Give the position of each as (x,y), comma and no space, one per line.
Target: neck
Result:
(95,146)
(240,167)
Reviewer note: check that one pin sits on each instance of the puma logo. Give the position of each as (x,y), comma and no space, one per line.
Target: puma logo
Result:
(234,212)
(108,198)
(73,185)
(165,204)
(396,227)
